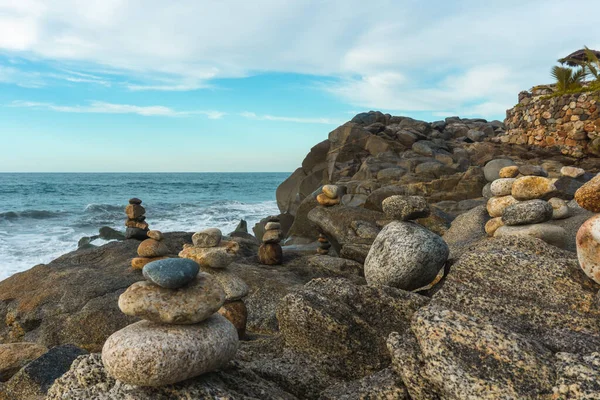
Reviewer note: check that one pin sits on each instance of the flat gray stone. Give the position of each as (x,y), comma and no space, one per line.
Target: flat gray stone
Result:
(171,273)
(527,212)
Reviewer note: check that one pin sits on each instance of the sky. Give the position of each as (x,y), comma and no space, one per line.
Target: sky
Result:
(224,85)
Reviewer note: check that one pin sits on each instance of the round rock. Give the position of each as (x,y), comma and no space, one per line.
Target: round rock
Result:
(171,273)
(210,237)
(492,225)
(187,305)
(551,234)
(560,208)
(532,187)
(331,191)
(405,208)
(270,226)
(270,254)
(406,256)
(486,192)
(272,236)
(149,354)
(211,257)
(140,262)
(588,248)
(588,196)
(135,200)
(491,171)
(323,200)
(509,172)
(152,248)
(502,186)
(527,212)
(134,211)
(497,205)
(572,172)
(156,235)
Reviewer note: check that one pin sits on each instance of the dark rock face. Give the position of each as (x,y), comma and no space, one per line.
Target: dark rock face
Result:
(35,378)
(73,299)
(529,287)
(333,322)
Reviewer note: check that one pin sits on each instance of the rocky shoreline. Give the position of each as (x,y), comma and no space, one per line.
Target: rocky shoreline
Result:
(411,260)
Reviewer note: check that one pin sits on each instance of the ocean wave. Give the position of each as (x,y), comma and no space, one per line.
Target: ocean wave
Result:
(104,208)
(32,214)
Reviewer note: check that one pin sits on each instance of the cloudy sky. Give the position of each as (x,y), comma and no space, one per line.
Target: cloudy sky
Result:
(235,85)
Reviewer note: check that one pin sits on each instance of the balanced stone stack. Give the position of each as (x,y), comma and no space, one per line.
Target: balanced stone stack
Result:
(404,254)
(180,336)
(137,227)
(588,235)
(270,251)
(324,245)
(151,249)
(523,201)
(214,256)
(330,196)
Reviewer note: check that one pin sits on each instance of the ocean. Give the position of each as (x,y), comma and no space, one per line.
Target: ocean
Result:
(43,215)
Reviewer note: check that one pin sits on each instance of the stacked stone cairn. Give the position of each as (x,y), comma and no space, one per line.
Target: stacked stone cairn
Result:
(588,235)
(151,249)
(405,254)
(180,336)
(523,200)
(324,245)
(137,227)
(214,255)
(330,196)
(270,251)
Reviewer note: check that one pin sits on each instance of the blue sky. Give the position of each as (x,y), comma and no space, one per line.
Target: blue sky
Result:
(123,85)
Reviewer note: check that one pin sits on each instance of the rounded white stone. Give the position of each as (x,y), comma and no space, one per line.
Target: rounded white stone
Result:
(151,354)
(588,248)
(502,186)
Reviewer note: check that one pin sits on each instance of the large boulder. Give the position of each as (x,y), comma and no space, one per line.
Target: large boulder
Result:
(466,229)
(529,287)
(73,299)
(287,193)
(406,256)
(343,326)
(347,142)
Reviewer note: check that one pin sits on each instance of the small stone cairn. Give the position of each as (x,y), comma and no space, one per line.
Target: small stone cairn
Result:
(405,255)
(588,235)
(324,245)
(137,227)
(330,196)
(270,251)
(214,256)
(151,249)
(180,336)
(523,200)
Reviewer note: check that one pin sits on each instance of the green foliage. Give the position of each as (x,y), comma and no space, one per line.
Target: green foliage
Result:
(568,79)
(591,65)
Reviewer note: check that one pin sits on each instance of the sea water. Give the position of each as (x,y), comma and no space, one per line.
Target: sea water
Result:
(43,216)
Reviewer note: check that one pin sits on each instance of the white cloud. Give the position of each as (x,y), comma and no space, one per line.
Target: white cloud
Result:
(391,54)
(99,107)
(300,120)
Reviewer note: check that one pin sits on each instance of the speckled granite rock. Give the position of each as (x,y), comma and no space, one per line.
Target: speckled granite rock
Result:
(588,248)
(405,208)
(187,305)
(529,287)
(333,322)
(382,385)
(468,358)
(88,379)
(406,256)
(527,212)
(588,196)
(578,376)
(502,186)
(150,354)
(210,237)
(466,229)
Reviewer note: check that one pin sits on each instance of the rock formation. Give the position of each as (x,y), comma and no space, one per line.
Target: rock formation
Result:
(270,252)
(150,249)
